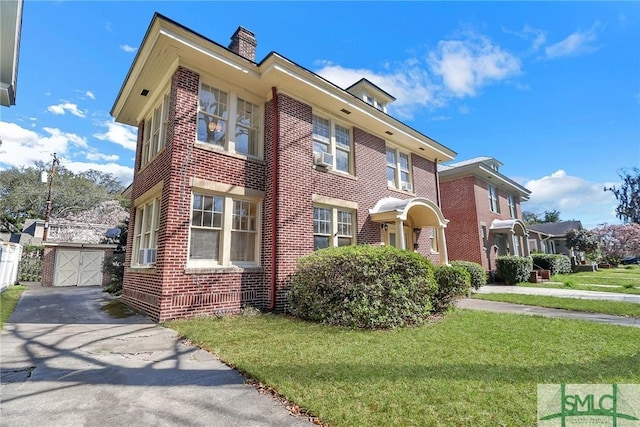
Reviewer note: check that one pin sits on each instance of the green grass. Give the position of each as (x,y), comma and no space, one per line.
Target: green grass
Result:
(581,287)
(616,308)
(469,369)
(620,280)
(8,300)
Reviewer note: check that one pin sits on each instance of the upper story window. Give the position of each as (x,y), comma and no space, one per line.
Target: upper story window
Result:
(335,141)
(228,121)
(224,231)
(145,242)
(399,169)
(374,101)
(155,131)
(512,206)
(332,227)
(494,202)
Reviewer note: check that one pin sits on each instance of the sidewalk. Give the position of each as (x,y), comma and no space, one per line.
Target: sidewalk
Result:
(505,307)
(562,293)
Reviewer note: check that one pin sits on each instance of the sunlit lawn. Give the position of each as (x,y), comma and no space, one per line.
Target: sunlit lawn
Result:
(468,369)
(8,300)
(616,308)
(620,280)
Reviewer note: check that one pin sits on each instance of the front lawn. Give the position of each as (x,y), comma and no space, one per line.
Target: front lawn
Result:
(8,300)
(616,308)
(470,368)
(620,276)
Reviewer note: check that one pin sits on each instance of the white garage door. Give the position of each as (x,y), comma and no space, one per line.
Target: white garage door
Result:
(78,268)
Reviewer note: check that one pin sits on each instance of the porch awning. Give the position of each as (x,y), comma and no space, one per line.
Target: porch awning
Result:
(420,211)
(515,226)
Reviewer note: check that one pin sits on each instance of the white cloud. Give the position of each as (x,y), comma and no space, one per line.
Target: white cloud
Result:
(467,65)
(123,173)
(120,134)
(22,147)
(574,44)
(128,48)
(537,36)
(574,197)
(90,95)
(63,108)
(100,157)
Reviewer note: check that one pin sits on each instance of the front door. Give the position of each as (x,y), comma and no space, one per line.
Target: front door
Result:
(391,237)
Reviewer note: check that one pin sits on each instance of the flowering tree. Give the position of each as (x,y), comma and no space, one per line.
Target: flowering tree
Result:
(618,241)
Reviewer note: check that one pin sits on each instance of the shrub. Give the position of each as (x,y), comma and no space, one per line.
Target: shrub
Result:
(514,269)
(452,282)
(557,264)
(362,287)
(477,272)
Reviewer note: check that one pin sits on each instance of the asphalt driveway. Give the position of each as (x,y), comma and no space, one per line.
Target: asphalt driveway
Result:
(65,361)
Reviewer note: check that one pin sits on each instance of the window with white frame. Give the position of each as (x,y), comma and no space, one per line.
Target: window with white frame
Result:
(332,227)
(220,111)
(494,202)
(512,206)
(335,140)
(155,131)
(398,169)
(147,224)
(224,231)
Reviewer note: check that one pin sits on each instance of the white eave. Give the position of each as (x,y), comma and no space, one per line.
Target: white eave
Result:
(167,45)
(10,28)
(485,173)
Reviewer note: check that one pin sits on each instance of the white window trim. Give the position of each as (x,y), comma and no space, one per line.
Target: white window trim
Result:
(398,183)
(491,189)
(154,204)
(334,236)
(511,201)
(152,150)
(332,141)
(232,110)
(227,221)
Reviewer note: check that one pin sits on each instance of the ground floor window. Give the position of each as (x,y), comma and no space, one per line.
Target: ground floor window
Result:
(224,230)
(145,242)
(332,227)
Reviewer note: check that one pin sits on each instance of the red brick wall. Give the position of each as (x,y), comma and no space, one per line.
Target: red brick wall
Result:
(48,265)
(166,291)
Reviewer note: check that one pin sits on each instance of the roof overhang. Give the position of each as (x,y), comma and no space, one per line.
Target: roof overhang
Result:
(487,174)
(10,28)
(420,211)
(168,45)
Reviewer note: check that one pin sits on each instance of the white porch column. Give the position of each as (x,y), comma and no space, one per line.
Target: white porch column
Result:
(527,250)
(400,231)
(442,247)
(512,245)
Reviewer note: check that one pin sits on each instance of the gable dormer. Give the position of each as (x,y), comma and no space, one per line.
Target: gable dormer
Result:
(371,94)
(492,163)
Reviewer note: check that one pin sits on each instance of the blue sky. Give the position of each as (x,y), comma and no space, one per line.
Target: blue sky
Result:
(550,89)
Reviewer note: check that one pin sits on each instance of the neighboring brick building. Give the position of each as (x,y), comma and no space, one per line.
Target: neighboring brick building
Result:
(483,206)
(220,218)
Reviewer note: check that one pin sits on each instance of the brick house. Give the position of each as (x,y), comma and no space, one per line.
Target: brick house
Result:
(243,166)
(483,206)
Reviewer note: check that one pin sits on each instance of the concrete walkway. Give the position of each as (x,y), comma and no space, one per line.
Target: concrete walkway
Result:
(563,293)
(505,307)
(66,362)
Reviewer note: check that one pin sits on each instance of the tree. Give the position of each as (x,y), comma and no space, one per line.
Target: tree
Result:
(628,196)
(547,216)
(583,241)
(23,195)
(618,241)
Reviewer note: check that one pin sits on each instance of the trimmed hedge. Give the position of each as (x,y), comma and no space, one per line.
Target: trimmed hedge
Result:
(558,264)
(453,282)
(514,269)
(476,271)
(363,287)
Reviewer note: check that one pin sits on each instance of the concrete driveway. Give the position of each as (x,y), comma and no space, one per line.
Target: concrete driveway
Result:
(66,362)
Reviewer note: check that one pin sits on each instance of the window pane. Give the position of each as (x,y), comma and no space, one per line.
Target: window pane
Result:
(343,137)
(391,157)
(321,221)
(211,130)
(204,244)
(344,241)
(404,177)
(342,161)
(243,246)
(391,175)
(320,242)
(345,223)
(321,130)
(319,147)
(404,162)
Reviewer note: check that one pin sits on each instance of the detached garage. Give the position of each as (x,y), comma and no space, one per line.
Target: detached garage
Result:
(75,264)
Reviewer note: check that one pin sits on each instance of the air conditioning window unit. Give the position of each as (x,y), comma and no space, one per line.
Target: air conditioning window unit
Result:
(406,186)
(323,159)
(147,256)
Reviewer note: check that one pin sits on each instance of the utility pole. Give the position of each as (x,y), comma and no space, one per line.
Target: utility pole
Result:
(47,214)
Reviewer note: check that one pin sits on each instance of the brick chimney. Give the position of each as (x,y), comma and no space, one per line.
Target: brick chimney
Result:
(244,43)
